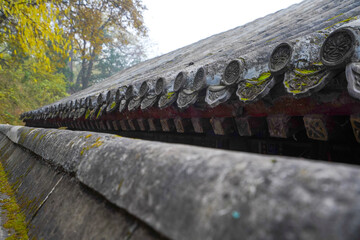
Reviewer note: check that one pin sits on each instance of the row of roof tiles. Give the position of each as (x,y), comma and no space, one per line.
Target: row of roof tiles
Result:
(304,66)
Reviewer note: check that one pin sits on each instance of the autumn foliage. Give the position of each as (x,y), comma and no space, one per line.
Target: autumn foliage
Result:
(30,28)
(39,40)
(97,25)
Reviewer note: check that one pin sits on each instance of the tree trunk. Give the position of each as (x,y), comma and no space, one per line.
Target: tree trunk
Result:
(85,79)
(70,64)
(88,72)
(79,79)
(89,69)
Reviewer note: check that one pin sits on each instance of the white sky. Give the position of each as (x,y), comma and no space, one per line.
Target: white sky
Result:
(173,24)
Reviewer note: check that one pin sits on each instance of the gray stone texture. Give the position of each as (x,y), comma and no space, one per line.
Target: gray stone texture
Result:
(75,212)
(187,192)
(31,178)
(57,206)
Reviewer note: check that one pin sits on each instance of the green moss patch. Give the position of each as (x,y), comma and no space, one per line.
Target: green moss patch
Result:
(343,21)
(35,135)
(335,17)
(169,95)
(87,113)
(15,218)
(100,112)
(305,71)
(258,81)
(113,105)
(264,76)
(97,143)
(270,40)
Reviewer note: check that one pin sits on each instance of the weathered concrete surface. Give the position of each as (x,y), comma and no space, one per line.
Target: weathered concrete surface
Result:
(57,206)
(28,175)
(58,147)
(189,192)
(74,212)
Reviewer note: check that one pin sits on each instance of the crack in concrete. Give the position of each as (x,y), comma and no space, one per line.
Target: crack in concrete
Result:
(132,230)
(46,198)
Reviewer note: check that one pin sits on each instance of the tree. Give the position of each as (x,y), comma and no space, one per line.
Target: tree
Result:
(29,28)
(94,25)
(114,60)
(24,88)
(32,50)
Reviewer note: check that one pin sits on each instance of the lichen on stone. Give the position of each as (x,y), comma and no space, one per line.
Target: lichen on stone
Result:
(169,95)
(15,218)
(302,80)
(87,113)
(249,89)
(113,104)
(97,143)
(98,114)
(343,21)
(305,71)
(35,135)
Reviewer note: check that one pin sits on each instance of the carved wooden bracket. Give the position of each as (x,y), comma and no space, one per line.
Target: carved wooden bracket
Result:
(132,124)
(182,125)
(143,124)
(250,126)
(154,124)
(109,125)
(166,125)
(221,126)
(355,123)
(317,127)
(197,125)
(124,125)
(278,125)
(116,126)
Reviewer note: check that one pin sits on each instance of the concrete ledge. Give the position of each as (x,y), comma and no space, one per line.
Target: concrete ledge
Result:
(57,206)
(187,192)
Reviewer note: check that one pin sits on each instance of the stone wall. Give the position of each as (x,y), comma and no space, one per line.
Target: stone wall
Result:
(83,184)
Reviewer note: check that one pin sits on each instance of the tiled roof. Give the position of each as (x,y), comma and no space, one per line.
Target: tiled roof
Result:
(290,62)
